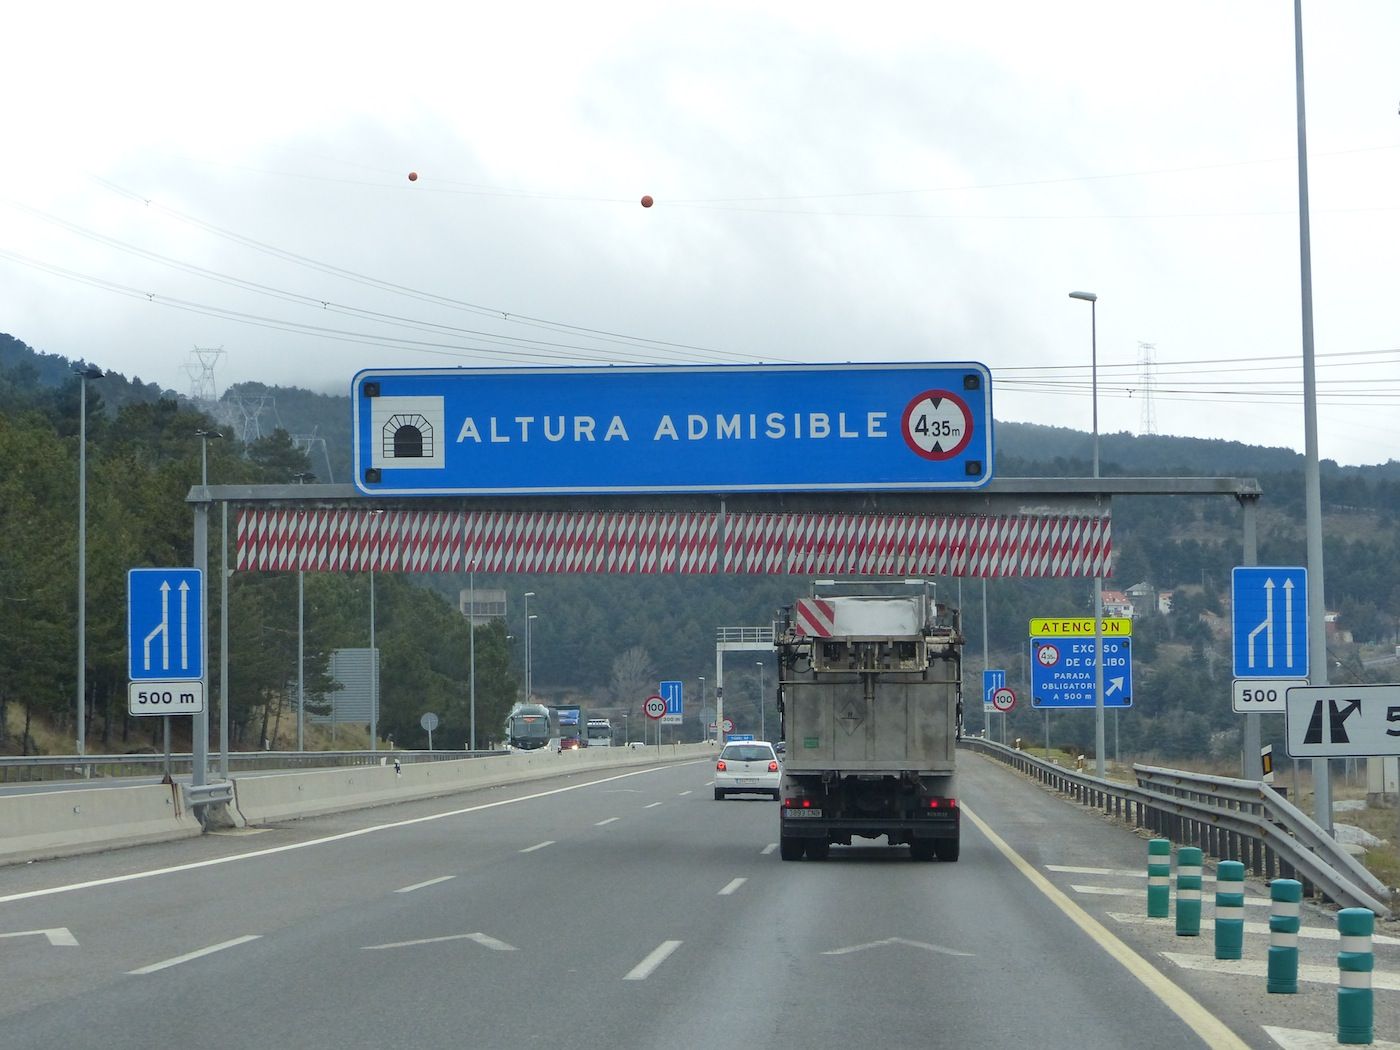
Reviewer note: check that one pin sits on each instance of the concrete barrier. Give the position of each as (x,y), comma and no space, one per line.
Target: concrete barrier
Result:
(63,823)
(291,796)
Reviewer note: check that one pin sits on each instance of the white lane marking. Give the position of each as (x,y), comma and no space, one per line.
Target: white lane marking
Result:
(340,837)
(480,938)
(1213,1031)
(768,849)
(683,794)
(608,821)
(1123,872)
(659,955)
(652,805)
(538,845)
(1297,1039)
(191,956)
(729,889)
(1124,891)
(1317,933)
(1386,982)
(424,885)
(59,937)
(936,948)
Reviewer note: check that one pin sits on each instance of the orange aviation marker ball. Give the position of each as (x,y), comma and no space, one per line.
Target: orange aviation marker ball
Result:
(413,176)
(646,201)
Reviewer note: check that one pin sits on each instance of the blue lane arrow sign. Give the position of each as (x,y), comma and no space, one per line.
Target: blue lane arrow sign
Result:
(164,641)
(1269,621)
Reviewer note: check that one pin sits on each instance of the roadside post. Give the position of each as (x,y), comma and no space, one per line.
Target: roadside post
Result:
(1159,878)
(1355,961)
(1188,891)
(1229,910)
(1287,897)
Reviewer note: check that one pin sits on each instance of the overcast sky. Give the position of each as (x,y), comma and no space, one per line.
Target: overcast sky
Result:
(890,182)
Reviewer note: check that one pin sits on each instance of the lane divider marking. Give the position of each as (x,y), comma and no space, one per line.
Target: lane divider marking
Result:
(425,885)
(659,955)
(733,885)
(191,956)
(1213,1031)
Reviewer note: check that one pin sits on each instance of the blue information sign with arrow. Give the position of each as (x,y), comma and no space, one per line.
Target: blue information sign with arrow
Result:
(164,641)
(1062,672)
(1269,621)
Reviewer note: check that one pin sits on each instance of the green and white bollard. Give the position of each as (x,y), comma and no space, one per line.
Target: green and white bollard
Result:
(1355,961)
(1188,891)
(1287,897)
(1159,878)
(1229,910)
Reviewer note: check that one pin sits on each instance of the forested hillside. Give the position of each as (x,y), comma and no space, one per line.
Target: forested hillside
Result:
(599,639)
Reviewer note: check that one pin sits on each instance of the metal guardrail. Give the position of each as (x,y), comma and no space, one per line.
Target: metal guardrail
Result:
(1228,819)
(206,794)
(30,768)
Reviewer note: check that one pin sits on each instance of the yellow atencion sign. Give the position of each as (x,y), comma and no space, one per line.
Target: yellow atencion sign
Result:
(1080,627)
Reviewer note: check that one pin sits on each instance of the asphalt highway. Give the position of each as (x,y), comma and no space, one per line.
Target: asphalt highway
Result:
(621,910)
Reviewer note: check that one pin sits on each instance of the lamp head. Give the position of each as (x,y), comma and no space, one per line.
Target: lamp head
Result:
(1088,297)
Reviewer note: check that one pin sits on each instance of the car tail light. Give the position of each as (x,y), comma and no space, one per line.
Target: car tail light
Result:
(772,767)
(720,767)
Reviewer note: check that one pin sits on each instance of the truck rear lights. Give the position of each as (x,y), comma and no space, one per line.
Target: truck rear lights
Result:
(942,803)
(797,803)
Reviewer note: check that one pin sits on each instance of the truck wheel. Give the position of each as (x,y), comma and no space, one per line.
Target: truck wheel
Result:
(789,847)
(921,849)
(946,849)
(818,850)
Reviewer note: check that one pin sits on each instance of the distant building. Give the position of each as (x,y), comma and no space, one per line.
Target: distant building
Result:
(1117,604)
(482,605)
(1164,602)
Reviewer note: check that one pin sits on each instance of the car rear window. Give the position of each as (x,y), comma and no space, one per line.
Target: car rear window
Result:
(747,753)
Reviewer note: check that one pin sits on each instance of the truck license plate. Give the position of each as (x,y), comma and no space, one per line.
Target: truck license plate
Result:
(798,814)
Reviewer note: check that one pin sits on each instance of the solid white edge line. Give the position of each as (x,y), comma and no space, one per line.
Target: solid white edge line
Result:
(734,884)
(538,845)
(659,954)
(424,885)
(190,956)
(1213,1031)
(271,850)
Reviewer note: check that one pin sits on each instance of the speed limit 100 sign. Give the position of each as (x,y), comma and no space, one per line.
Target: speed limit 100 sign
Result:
(1004,700)
(655,707)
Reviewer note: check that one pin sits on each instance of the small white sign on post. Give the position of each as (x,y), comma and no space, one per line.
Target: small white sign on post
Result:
(1343,721)
(165,698)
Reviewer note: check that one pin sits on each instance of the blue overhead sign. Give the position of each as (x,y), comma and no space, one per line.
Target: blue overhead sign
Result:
(1062,672)
(717,428)
(674,695)
(164,642)
(1269,621)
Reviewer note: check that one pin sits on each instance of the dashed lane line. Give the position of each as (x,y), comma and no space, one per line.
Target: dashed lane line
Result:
(659,955)
(425,885)
(609,820)
(728,890)
(191,956)
(538,845)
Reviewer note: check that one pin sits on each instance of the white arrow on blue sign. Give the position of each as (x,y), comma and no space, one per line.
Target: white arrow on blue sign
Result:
(673,694)
(1063,676)
(1269,621)
(164,639)
(991,682)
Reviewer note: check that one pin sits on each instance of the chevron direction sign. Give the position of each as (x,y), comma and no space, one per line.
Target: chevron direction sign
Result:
(1343,721)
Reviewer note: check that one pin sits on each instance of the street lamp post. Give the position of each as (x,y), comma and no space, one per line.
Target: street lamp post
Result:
(1092,300)
(200,743)
(301,479)
(471,646)
(762,712)
(85,372)
(704,716)
(528,618)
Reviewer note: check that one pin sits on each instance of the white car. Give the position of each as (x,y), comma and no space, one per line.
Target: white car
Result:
(747,767)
